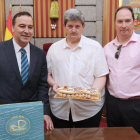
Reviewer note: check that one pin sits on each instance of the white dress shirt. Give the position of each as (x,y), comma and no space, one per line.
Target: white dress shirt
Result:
(18,53)
(76,67)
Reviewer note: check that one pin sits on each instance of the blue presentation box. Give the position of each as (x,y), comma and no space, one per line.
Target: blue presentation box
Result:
(22,121)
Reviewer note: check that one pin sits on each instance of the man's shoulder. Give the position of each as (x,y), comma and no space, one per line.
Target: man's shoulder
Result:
(90,42)
(138,35)
(6,45)
(109,44)
(60,42)
(36,48)
(3,42)
(57,45)
(6,42)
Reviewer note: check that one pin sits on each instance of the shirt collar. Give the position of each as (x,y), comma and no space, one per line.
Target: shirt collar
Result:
(132,39)
(78,46)
(17,47)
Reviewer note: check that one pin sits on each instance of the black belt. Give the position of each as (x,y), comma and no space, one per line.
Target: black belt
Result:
(132,98)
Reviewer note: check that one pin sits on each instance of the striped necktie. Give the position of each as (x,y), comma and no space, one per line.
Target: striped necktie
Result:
(24,66)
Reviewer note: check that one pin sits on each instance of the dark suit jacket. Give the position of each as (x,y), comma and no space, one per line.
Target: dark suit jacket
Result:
(11,87)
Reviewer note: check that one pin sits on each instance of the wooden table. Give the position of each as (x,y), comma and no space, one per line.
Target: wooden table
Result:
(114,133)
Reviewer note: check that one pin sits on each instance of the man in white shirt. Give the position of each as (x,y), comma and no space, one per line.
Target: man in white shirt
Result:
(76,61)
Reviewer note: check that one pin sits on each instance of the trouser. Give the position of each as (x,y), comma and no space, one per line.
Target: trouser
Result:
(90,122)
(123,113)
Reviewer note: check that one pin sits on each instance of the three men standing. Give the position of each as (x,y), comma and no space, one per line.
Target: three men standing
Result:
(75,61)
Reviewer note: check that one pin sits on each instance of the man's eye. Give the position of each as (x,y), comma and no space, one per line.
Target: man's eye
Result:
(22,26)
(119,21)
(77,26)
(70,26)
(30,27)
(127,20)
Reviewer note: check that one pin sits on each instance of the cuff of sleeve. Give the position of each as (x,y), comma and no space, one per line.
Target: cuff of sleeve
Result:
(103,74)
(47,110)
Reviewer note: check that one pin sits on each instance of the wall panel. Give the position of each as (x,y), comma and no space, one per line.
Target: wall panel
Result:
(2,20)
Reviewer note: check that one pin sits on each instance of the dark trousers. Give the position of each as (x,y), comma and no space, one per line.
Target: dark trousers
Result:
(90,122)
(123,113)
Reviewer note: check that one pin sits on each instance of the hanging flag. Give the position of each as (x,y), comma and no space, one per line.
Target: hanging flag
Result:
(8,33)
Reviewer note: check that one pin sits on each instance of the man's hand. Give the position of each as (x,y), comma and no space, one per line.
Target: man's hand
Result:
(52,83)
(49,123)
(99,82)
(56,86)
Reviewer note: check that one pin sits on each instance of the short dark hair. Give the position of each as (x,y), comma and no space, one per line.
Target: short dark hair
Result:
(23,13)
(124,7)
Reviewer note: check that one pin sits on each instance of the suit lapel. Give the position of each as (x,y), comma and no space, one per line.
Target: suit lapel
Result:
(33,60)
(11,56)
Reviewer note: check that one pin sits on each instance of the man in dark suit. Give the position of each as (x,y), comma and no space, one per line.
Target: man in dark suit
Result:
(23,68)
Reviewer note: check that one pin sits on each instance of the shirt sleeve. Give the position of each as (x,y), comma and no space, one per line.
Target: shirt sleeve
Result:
(105,51)
(100,67)
(49,61)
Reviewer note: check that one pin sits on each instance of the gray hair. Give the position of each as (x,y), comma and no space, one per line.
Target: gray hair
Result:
(73,14)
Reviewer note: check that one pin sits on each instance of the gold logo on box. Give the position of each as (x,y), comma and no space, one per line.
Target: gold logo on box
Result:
(18,125)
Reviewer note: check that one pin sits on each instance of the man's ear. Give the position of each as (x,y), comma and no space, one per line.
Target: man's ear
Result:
(84,25)
(64,25)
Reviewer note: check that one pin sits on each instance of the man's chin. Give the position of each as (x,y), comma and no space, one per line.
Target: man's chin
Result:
(26,40)
(73,36)
(124,35)
(124,32)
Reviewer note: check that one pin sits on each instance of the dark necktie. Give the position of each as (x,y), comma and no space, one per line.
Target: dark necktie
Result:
(24,66)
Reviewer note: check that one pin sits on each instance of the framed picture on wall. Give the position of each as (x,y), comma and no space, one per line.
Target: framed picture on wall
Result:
(135,4)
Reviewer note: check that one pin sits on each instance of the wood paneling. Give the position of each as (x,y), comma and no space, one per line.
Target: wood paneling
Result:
(2,20)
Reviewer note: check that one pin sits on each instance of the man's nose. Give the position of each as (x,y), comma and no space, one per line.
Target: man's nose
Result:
(124,24)
(26,30)
(74,29)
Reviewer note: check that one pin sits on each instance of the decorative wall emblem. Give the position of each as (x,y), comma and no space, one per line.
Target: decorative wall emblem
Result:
(137,17)
(135,4)
(54,13)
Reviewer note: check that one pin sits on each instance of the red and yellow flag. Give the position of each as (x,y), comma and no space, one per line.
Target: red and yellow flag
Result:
(8,33)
